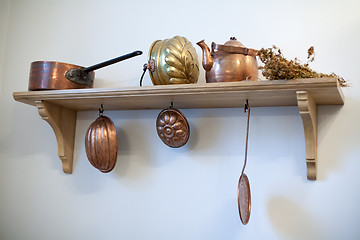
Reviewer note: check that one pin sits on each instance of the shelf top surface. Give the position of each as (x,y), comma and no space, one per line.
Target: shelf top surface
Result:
(325,91)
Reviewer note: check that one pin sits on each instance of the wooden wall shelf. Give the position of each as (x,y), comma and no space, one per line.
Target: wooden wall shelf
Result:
(59,107)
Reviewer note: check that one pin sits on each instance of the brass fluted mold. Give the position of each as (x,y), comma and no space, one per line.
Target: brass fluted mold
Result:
(173,61)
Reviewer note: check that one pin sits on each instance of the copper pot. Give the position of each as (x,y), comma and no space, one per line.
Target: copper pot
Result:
(49,75)
(229,62)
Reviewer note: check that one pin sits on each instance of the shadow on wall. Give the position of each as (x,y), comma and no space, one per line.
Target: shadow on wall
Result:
(133,152)
(206,140)
(293,221)
(122,166)
(342,140)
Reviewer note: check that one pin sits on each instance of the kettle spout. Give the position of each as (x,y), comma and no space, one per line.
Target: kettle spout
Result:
(207,59)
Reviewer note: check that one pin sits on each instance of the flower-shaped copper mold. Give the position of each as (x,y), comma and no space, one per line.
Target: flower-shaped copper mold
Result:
(172,127)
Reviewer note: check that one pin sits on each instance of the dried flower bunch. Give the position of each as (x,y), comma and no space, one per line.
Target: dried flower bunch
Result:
(276,66)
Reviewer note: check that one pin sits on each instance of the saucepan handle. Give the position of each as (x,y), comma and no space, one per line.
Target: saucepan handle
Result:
(112,61)
(80,76)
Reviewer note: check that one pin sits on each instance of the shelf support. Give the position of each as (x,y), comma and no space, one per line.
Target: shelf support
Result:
(63,123)
(308,112)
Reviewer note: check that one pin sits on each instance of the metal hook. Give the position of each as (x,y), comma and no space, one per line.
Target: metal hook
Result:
(145,67)
(247,106)
(101,110)
(171,105)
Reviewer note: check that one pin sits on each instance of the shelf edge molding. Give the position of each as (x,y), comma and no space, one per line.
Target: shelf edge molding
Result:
(63,123)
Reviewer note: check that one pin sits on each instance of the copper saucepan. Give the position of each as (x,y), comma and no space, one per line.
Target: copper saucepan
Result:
(49,75)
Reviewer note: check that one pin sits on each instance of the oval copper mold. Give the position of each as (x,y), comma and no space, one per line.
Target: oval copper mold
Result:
(101,144)
(172,127)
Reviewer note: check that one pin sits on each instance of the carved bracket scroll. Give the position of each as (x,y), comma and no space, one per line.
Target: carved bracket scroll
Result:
(63,123)
(308,112)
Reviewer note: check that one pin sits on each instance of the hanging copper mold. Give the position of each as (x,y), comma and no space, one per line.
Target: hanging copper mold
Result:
(172,127)
(101,143)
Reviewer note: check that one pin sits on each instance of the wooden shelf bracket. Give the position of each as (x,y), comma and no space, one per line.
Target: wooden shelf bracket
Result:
(308,112)
(63,122)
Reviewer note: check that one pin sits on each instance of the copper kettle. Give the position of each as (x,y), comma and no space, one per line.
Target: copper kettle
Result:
(229,62)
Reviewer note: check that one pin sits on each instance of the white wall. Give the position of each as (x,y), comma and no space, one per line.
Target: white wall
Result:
(156,192)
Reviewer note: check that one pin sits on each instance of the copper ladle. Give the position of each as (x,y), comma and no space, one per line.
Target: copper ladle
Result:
(244,196)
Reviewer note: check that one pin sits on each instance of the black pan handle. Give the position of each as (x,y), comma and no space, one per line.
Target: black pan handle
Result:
(112,61)
(81,76)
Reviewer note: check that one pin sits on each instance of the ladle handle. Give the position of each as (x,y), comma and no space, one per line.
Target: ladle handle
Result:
(112,61)
(246,109)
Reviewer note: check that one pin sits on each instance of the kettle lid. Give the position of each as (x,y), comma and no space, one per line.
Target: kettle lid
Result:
(233,42)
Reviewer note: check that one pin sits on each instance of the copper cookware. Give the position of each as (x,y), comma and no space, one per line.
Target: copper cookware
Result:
(172,61)
(244,195)
(172,127)
(229,62)
(244,199)
(49,75)
(101,143)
